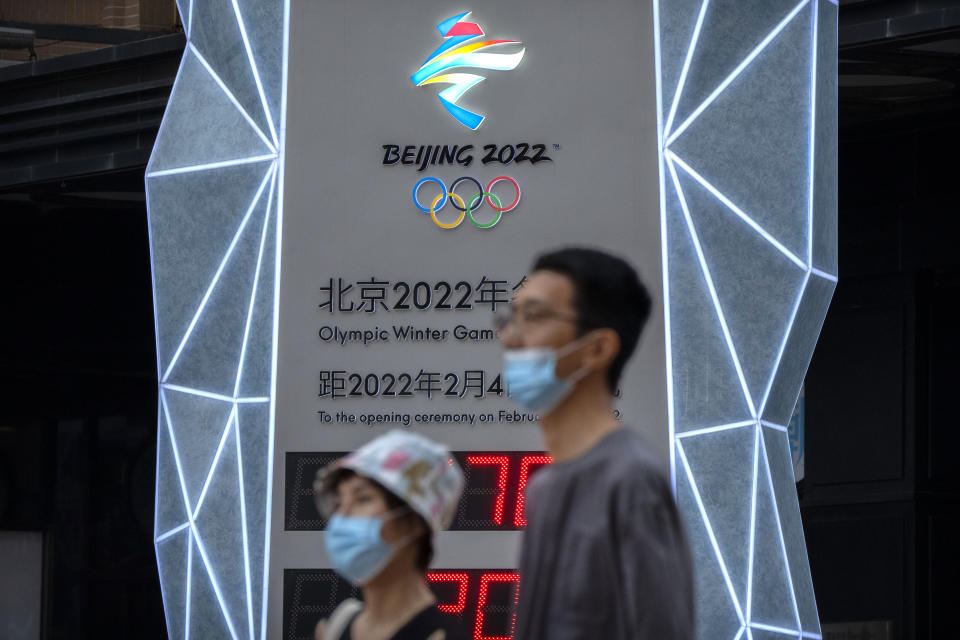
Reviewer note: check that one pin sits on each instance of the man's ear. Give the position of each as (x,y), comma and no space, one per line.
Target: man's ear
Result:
(602,349)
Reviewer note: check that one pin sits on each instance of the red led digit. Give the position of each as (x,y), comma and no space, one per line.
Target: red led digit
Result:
(504,463)
(525,464)
(462,579)
(485,581)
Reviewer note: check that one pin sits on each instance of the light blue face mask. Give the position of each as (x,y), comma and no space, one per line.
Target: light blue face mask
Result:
(355,548)
(531,376)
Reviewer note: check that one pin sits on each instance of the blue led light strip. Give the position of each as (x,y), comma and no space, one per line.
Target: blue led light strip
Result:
(751,543)
(709,528)
(783,546)
(784,631)
(710,287)
(253,291)
(220,83)
(216,276)
(686,65)
(172,532)
(231,420)
(186,623)
(276,320)
(664,257)
(783,342)
(736,72)
(243,525)
(194,534)
(256,73)
(213,581)
(776,427)
(722,427)
(824,275)
(813,129)
(212,165)
(214,396)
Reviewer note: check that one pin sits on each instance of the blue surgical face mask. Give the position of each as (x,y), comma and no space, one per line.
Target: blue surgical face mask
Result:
(355,548)
(531,376)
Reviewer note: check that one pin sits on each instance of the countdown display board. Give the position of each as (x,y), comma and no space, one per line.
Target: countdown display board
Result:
(432,150)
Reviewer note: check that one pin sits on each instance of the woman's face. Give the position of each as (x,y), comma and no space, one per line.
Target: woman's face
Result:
(359,498)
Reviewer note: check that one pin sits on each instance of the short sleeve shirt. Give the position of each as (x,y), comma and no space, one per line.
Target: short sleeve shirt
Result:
(604,554)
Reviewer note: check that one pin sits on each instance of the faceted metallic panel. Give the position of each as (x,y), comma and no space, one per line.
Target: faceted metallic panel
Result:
(748,117)
(747,94)
(213,208)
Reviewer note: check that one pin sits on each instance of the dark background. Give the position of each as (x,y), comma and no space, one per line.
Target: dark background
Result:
(78,370)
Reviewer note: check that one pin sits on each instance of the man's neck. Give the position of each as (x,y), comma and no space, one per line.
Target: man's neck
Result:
(580,421)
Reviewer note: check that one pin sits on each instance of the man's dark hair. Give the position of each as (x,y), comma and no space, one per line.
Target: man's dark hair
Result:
(607,293)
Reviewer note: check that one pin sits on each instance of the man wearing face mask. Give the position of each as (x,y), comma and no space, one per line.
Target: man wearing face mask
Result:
(604,554)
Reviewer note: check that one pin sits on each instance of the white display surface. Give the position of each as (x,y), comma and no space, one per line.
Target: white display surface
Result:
(585,90)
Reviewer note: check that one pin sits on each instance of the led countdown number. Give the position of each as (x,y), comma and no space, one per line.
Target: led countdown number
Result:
(493,499)
(484,600)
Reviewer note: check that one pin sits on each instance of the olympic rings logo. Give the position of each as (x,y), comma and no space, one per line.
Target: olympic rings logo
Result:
(466,206)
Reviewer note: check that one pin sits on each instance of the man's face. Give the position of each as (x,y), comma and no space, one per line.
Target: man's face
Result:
(543,316)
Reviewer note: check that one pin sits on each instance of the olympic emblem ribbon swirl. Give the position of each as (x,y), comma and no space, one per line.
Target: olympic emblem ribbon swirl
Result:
(466,207)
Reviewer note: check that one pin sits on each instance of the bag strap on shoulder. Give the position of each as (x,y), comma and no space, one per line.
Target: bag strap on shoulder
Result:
(341,618)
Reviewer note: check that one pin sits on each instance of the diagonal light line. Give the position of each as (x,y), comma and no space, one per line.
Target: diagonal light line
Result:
(231,420)
(232,98)
(215,396)
(253,292)
(243,525)
(753,526)
(212,165)
(776,427)
(216,276)
(176,453)
(213,581)
(186,634)
(156,490)
(183,9)
(686,66)
(190,18)
(146,185)
(256,74)
(766,235)
(186,505)
(736,72)
(783,546)
(813,128)
(740,633)
(664,253)
(824,274)
(810,634)
(774,629)
(709,528)
(172,532)
(783,343)
(722,427)
(710,287)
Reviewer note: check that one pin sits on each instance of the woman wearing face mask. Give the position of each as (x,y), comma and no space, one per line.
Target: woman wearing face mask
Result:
(384,503)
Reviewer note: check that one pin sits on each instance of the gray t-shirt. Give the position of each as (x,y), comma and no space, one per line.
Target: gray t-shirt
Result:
(604,555)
